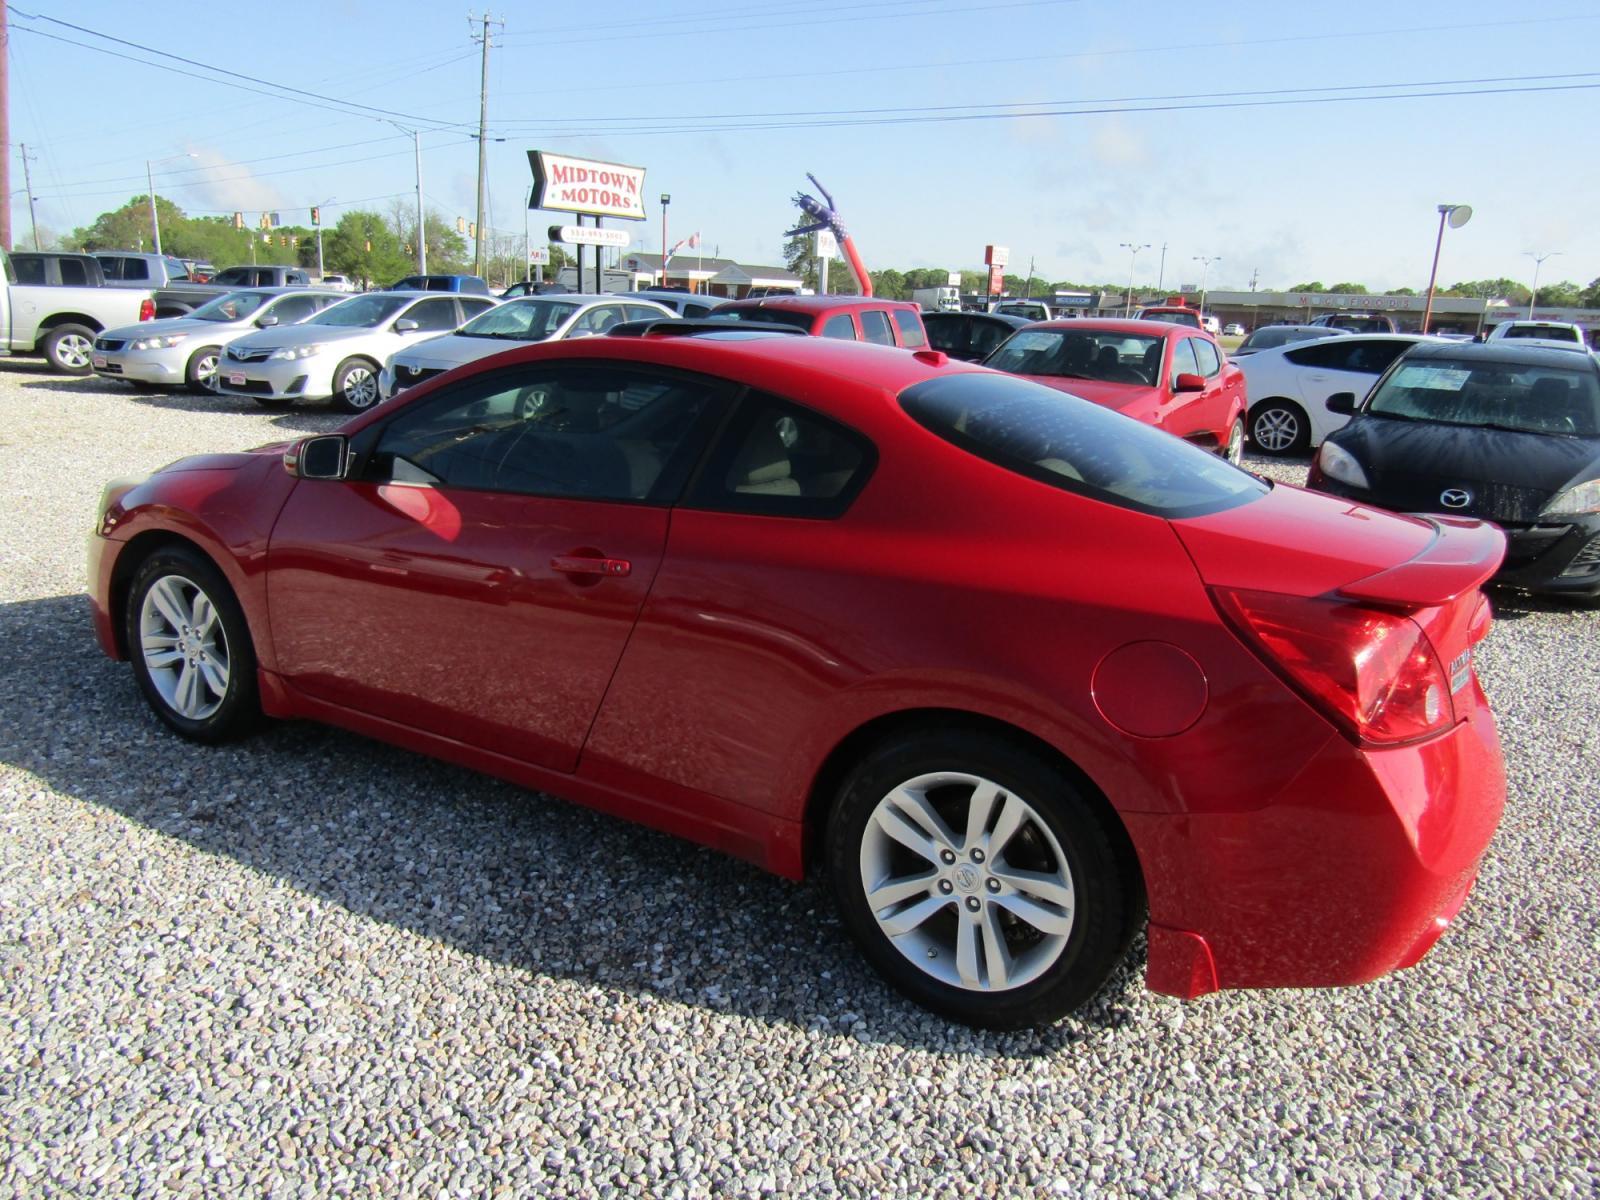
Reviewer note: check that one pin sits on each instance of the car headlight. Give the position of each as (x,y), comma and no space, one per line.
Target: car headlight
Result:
(160,342)
(293,352)
(1575,501)
(1338,463)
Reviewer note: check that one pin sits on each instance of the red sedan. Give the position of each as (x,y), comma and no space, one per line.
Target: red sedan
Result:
(1013,669)
(1170,376)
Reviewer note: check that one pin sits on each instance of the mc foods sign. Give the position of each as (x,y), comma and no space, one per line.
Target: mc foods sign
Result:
(583,185)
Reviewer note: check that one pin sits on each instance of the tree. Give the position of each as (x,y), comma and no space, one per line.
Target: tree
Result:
(448,253)
(1309,287)
(888,283)
(1591,294)
(1489,289)
(1401,292)
(1348,289)
(363,247)
(1565,294)
(128,227)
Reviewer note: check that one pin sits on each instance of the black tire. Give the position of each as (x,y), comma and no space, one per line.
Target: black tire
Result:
(1106,893)
(182,573)
(1280,428)
(199,377)
(355,385)
(69,349)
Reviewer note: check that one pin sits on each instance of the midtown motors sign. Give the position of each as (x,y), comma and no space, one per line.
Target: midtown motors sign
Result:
(582,185)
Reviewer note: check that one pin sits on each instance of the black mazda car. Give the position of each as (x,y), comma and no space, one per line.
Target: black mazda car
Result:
(1510,434)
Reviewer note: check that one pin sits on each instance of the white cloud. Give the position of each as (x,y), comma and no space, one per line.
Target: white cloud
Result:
(214,182)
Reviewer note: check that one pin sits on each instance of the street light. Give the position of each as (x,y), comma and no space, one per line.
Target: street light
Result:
(666,199)
(1538,261)
(1205,261)
(1133,258)
(1458,215)
(149,179)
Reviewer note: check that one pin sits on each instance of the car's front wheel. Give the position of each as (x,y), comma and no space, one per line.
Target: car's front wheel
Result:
(201,373)
(190,647)
(1280,427)
(978,879)
(355,385)
(1233,449)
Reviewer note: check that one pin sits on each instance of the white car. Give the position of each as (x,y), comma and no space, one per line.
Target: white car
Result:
(1287,387)
(338,283)
(339,352)
(515,322)
(1557,335)
(1233,331)
(183,351)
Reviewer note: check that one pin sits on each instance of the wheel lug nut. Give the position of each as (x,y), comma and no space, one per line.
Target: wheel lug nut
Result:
(947,857)
(972,903)
(946,886)
(977,856)
(994,885)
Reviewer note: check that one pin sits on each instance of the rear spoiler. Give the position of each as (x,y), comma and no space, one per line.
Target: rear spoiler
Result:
(1462,555)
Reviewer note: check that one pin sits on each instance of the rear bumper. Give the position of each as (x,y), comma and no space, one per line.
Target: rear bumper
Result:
(1353,872)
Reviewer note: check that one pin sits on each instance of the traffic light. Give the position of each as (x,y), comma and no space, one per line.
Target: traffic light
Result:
(282,241)
(316,216)
(472,230)
(369,245)
(238,220)
(264,223)
(461,224)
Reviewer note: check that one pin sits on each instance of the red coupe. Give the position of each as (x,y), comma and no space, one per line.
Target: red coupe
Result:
(1013,669)
(1170,376)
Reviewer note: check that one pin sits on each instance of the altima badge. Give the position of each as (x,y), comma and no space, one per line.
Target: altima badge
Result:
(1455,497)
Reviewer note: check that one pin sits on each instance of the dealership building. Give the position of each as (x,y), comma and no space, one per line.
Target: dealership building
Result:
(1451,314)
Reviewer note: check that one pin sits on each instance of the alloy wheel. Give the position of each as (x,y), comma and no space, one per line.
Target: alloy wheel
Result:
(360,387)
(184,647)
(74,351)
(1276,430)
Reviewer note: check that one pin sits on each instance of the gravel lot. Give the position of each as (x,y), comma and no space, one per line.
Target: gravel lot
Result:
(314,965)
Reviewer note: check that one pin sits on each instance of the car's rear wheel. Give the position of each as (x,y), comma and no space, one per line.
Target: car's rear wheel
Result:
(978,879)
(1233,449)
(70,349)
(355,385)
(190,647)
(201,373)
(1280,427)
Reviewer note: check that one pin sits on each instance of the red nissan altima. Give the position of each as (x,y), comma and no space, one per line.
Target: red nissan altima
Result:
(1017,672)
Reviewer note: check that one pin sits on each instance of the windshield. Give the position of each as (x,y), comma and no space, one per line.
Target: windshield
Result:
(1281,335)
(1549,333)
(530,320)
(1173,318)
(1500,395)
(1077,446)
(1110,356)
(235,306)
(778,316)
(360,312)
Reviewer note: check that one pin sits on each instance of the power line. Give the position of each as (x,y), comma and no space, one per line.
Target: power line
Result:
(344,105)
(814,14)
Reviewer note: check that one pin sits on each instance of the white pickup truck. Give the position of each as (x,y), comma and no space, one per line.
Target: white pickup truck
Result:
(60,323)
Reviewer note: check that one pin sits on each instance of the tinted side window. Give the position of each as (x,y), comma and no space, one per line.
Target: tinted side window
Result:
(1331,357)
(875,327)
(1206,355)
(110,266)
(696,310)
(781,459)
(471,308)
(31,270)
(910,326)
(1374,358)
(840,326)
(640,312)
(948,335)
(986,335)
(434,314)
(295,308)
(74,272)
(580,432)
(1183,361)
(135,268)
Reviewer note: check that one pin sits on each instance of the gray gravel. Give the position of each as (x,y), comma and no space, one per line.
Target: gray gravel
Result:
(313,965)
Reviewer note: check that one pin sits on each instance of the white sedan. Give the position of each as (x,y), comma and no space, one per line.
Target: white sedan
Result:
(525,319)
(338,352)
(1287,387)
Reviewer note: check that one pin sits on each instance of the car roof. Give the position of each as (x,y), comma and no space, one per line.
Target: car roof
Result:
(817,304)
(1128,325)
(1508,352)
(1007,319)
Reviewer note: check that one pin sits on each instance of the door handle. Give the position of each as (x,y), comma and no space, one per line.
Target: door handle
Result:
(585,564)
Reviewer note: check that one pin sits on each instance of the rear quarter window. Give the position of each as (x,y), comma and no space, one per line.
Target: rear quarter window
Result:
(910,326)
(1079,447)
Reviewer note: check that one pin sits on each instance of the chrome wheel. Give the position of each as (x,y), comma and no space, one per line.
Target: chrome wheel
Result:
(205,369)
(184,647)
(1234,452)
(967,881)
(74,351)
(359,386)
(1276,429)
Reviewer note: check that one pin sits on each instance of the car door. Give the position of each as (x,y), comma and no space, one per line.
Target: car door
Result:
(1224,392)
(478,574)
(1182,413)
(1350,364)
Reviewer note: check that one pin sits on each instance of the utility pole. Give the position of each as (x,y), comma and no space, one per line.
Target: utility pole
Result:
(1161,273)
(27,179)
(1027,284)
(5,133)
(422,218)
(483,137)
(1255,273)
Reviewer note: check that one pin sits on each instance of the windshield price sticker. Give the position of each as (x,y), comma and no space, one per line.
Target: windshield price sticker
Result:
(1437,379)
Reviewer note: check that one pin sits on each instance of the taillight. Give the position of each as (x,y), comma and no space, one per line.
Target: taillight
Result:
(147,309)
(1374,673)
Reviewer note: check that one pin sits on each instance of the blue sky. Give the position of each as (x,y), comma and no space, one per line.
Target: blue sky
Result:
(1333,191)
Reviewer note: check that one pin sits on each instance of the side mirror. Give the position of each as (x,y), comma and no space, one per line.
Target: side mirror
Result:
(1189,383)
(580,333)
(266,322)
(1343,403)
(325,457)
(406,325)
